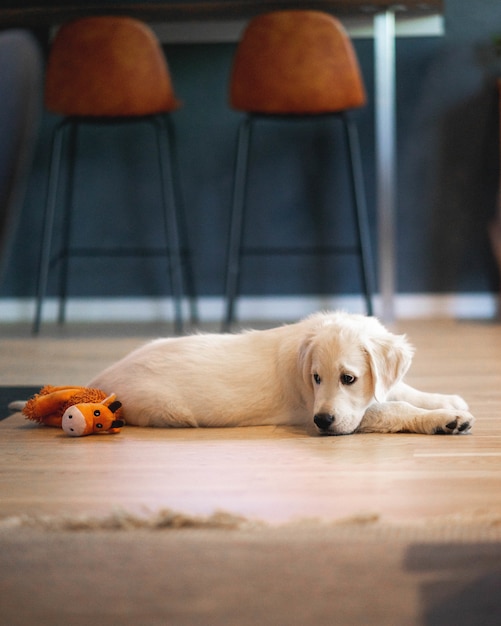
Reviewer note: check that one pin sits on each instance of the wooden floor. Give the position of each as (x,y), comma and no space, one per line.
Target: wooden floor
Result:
(271,474)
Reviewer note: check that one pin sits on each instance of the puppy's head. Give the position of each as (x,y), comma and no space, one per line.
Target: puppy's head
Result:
(348,362)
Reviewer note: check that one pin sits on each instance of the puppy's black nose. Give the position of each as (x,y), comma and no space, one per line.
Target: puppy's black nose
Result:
(323,420)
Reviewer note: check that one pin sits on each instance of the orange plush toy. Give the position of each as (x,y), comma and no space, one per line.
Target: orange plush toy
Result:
(77,410)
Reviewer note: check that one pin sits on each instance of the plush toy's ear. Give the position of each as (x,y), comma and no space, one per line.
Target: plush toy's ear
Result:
(114,406)
(390,357)
(109,399)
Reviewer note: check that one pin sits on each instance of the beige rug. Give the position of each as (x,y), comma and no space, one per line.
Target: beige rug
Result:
(199,528)
(279,577)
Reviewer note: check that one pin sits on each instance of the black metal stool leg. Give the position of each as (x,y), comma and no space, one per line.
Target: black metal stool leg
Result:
(357,182)
(48,223)
(237,221)
(171,225)
(188,276)
(68,214)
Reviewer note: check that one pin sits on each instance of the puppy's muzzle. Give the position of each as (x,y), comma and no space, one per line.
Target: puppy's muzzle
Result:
(323,421)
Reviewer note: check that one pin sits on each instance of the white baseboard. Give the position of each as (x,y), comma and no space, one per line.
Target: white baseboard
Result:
(280,308)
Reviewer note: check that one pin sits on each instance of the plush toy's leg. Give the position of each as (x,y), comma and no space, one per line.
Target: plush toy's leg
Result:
(51,420)
(16,406)
(45,407)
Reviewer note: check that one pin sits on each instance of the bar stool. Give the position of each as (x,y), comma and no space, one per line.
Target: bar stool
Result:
(290,65)
(108,70)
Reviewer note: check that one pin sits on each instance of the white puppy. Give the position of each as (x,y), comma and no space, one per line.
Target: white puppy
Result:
(339,371)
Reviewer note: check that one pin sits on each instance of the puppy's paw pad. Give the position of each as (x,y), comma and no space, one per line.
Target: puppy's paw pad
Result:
(459,424)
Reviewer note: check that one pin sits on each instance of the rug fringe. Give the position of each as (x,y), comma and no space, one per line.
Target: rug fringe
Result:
(478,525)
(124,520)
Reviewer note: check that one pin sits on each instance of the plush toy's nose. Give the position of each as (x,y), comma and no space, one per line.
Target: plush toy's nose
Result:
(74,423)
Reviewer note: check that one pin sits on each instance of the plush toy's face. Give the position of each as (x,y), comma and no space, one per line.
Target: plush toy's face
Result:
(90,418)
(75,422)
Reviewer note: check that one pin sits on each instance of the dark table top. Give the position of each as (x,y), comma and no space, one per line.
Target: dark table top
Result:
(40,13)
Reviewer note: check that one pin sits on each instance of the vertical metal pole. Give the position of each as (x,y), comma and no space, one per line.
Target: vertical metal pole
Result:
(385,81)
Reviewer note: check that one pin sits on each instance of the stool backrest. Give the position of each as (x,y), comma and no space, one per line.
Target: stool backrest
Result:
(107,66)
(296,62)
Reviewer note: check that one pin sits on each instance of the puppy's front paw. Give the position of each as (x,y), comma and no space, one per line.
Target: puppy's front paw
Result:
(455,403)
(453,422)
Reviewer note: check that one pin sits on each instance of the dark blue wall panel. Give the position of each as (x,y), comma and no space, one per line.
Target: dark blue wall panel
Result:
(298,194)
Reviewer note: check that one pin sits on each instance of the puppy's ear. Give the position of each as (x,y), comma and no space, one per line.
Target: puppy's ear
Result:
(304,358)
(390,357)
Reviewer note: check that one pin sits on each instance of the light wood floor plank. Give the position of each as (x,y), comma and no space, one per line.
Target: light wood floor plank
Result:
(272,474)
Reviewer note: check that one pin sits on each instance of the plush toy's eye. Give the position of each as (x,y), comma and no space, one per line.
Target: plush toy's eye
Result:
(317,379)
(99,425)
(70,417)
(348,379)
(97,412)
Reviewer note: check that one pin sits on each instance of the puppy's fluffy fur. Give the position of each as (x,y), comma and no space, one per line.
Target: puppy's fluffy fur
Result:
(341,372)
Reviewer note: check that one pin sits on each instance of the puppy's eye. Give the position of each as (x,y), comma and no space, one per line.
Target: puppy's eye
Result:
(348,379)
(317,379)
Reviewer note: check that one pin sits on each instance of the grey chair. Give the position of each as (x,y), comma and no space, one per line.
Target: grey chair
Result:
(20,109)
